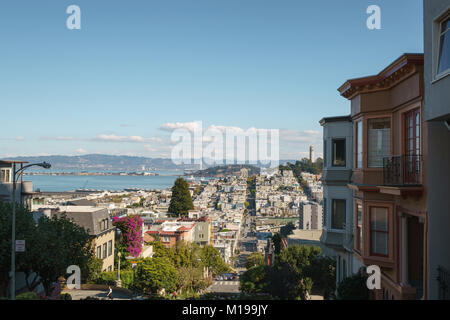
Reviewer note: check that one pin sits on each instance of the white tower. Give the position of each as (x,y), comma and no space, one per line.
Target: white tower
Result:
(311,153)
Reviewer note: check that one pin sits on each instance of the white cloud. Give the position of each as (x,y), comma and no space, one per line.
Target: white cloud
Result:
(81,151)
(115,138)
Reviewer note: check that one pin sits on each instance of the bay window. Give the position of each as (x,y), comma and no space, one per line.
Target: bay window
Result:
(379,141)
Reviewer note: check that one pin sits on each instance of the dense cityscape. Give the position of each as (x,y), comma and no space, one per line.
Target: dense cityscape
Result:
(359,213)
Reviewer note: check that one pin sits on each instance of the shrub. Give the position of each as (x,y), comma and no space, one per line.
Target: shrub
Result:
(27,296)
(66,296)
(110,277)
(353,288)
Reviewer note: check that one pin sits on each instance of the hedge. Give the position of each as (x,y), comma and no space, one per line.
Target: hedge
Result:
(110,278)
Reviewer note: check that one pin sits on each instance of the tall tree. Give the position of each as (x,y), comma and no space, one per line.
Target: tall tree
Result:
(181,201)
(155,274)
(254,259)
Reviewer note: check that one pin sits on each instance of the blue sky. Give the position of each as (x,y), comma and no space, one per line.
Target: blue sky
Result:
(138,67)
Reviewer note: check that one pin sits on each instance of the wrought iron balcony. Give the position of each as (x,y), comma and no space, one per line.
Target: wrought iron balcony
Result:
(402,170)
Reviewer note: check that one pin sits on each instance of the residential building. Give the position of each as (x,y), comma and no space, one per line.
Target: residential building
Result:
(310,216)
(437,117)
(337,197)
(24,189)
(389,176)
(97,222)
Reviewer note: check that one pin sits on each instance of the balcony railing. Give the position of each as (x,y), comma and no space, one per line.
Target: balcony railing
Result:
(402,170)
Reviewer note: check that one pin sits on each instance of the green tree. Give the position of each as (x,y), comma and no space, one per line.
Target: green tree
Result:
(155,274)
(255,279)
(25,230)
(61,243)
(276,239)
(353,288)
(323,274)
(212,259)
(181,201)
(254,259)
(287,229)
(291,276)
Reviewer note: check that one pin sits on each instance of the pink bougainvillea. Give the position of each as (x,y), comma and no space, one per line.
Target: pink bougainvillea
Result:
(131,228)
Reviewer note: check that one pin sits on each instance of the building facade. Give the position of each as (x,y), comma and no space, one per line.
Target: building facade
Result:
(389,176)
(437,117)
(337,197)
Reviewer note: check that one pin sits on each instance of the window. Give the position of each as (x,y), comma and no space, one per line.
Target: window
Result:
(338,214)
(109,248)
(379,228)
(110,268)
(359,144)
(5,175)
(105,252)
(444,46)
(99,252)
(359,224)
(338,152)
(412,146)
(324,217)
(166,239)
(379,141)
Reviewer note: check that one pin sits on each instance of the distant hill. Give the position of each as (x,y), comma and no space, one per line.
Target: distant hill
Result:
(103,162)
(227,170)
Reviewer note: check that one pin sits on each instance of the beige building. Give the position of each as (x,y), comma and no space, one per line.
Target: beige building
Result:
(99,226)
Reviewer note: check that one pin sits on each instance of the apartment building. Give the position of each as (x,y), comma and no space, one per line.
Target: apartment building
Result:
(437,117)
(337,197)
(389,176)
(24,189)
(310,216)
(169,231)
(99,226)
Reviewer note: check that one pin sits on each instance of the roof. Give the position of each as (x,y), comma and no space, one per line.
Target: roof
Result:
(395,71)
(86,217)
(81,202)
(335,119)
(11,161)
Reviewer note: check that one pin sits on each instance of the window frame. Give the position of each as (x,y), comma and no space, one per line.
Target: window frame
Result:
(388,233)
(7,174)
(359,144)
(384,116)
(359,235)
(333,151)
(99,252)
(332,214)
(105,250)
(110,250)
(436,45)
(439,45)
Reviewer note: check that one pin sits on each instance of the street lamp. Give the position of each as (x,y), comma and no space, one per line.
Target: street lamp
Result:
(118,282)
(17,173)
